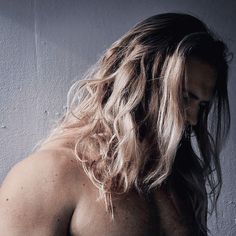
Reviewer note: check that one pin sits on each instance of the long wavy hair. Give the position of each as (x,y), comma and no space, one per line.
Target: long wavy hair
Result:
(127,114)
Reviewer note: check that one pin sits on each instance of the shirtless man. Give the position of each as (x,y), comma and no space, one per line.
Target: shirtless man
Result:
(121,161)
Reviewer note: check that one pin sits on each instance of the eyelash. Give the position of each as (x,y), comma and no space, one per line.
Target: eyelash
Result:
(186,98)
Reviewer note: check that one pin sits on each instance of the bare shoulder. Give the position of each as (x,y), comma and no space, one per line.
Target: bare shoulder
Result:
(39,190)
(42,170)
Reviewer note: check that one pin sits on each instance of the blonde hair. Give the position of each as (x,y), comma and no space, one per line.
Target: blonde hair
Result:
(127,113)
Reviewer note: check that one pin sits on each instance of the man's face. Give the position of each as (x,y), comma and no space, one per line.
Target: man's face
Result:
(200,86)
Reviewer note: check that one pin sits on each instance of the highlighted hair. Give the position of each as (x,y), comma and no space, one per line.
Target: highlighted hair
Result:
(127,113)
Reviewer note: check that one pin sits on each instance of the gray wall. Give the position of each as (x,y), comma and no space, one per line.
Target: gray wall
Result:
(45,45)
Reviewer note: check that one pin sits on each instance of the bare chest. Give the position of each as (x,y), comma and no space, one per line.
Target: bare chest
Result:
(134,216)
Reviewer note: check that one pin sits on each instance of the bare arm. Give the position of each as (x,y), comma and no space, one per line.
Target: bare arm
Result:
(34,198)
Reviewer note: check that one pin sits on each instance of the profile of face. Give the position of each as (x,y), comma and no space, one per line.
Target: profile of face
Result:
(199,88)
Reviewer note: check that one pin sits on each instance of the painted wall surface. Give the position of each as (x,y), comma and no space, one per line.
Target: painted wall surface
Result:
(45,45)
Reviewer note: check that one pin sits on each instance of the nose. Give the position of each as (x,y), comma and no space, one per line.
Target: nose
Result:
(192,114)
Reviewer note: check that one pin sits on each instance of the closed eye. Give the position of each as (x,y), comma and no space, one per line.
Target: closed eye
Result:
(188,94)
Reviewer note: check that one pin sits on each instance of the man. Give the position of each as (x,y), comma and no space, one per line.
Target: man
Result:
(120,161)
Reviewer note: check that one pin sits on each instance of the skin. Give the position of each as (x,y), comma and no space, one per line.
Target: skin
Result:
(49,194)
(201,80)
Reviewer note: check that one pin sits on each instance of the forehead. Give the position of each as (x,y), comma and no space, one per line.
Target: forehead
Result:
(200,76)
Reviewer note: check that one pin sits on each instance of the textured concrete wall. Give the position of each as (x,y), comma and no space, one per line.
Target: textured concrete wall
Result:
(45,45)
